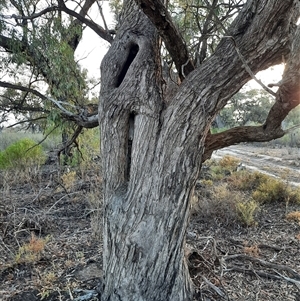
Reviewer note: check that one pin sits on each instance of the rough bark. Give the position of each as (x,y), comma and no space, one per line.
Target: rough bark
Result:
(153,151)
(287,98)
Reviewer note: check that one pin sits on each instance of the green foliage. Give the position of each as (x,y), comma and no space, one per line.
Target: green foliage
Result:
(9,137)
(116,7)
(22,153)
(89,148)
(246,211)
(293,118)
(42,48)
(223,167)
(291,139)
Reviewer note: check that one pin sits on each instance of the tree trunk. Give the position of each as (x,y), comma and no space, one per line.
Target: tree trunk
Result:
(153,150)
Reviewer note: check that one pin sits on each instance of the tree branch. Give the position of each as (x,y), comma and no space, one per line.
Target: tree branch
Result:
(79,119)
(100,31)
(33,16)
(160,17)
(287,98)
(62,7)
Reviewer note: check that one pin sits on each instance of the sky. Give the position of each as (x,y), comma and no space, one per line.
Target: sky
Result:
(92,48)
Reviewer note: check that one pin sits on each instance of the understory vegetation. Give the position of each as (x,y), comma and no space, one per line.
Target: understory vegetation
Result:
(234,194)
(50,219)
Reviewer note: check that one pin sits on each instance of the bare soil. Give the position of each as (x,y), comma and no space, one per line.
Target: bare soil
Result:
(227,260)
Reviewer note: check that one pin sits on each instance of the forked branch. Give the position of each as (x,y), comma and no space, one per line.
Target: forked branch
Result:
(287,98)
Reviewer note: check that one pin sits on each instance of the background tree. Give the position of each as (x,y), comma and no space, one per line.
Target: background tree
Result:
(41,74)
(246,108)
(153,143)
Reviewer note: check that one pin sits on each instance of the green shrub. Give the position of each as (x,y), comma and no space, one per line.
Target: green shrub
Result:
(224,167)
(22,153)
(89,148)
(273,190)
(246,211)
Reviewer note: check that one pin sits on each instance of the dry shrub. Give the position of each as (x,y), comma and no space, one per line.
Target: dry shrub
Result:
(229,163)
(222,203)
(95,201)
(293,216)
(69,179)
(273,190)
(47,283)
(31,251)
(223,167)
(245,180)
(263,187)
(252,251)
(220,206)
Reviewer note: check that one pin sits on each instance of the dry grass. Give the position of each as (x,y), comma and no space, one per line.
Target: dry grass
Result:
(35,203)
(45,230)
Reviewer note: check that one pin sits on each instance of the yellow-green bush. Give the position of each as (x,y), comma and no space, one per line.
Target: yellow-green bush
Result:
(245,180)
(246,211)
(22,153)
(272,190)
(229,163)
(223,167)
(264,188)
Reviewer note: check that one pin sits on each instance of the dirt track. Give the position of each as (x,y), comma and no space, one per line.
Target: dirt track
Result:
(281,163)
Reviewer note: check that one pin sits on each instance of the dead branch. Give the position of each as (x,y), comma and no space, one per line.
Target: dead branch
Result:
(264,263)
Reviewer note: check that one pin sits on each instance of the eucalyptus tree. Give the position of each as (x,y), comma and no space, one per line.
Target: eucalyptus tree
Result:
(159,95)
(41,81)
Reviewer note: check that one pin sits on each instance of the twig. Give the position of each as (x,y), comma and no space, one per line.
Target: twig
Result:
(288,279)
(215,288)
(264,263)
(248,69)
(66,195)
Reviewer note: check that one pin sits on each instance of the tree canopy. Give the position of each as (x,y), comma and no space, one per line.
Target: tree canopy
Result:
(43,83)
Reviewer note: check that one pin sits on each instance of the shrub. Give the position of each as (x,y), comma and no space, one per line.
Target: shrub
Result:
(31,251)
(245,180)
(217,204)
(223,167)
(293,216)
(246,211)
(263,187)
(272,190)
(68,180)
(22,153)
(88,149)
(229,163)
